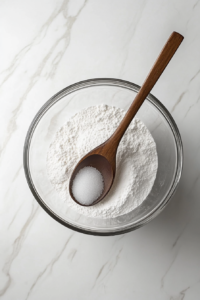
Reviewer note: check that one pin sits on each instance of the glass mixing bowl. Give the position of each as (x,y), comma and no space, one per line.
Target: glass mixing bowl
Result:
(63,106)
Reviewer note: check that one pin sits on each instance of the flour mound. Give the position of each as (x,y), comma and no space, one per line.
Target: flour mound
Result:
(136,164)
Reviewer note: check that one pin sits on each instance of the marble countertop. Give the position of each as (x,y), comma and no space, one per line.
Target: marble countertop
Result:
(46,45)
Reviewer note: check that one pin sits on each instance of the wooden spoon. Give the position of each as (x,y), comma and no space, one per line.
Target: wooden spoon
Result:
(103,157)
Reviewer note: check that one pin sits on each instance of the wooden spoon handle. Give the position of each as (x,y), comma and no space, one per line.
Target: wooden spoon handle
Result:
(162,61)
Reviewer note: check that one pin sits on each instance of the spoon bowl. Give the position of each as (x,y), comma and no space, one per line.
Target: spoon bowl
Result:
(100,163)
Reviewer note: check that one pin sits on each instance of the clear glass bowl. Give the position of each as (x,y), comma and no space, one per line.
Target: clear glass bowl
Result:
(64,105)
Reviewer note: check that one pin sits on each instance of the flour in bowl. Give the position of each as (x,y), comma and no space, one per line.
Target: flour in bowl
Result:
(136,164)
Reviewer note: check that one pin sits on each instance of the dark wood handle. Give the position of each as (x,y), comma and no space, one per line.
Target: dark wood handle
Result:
(162,61)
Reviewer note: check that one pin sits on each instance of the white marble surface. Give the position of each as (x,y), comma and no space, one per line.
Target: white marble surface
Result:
(46,45)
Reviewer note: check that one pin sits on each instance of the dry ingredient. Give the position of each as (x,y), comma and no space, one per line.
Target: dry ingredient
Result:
(136,163)
(87,185)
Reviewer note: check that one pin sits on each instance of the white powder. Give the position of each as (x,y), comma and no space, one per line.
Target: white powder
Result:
(87,185)
(136,164)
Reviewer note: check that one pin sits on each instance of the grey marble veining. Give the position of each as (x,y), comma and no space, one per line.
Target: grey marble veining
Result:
(45,46)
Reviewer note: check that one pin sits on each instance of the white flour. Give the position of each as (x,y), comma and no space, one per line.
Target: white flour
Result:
(137,160)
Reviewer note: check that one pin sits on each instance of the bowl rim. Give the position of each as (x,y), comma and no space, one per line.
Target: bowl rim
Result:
(109,82)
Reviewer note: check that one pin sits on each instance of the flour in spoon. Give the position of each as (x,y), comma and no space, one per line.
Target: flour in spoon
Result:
(136,162)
